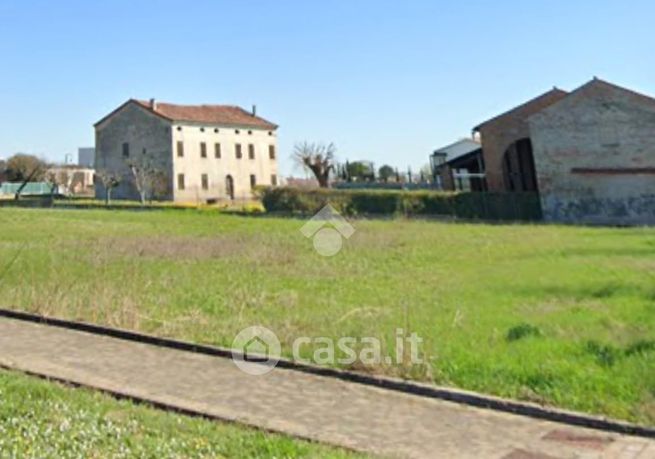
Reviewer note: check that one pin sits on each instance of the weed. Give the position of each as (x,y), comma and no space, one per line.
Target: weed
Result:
(522,331)
(605,354)
(640,347)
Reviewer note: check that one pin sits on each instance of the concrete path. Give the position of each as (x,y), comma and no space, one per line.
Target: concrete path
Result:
(314,407)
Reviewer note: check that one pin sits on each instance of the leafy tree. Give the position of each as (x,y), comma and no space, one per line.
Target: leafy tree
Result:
(3,170)
(385,173)
(360,170)
(316,158)
(25,168)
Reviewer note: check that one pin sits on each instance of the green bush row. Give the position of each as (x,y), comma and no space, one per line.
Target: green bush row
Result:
(466,205)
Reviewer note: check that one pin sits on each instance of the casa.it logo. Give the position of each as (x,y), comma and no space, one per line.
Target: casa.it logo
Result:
(327,229)
(256,350)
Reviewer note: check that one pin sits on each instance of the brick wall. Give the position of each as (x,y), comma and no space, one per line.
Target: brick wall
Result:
(595,157)
(499,133)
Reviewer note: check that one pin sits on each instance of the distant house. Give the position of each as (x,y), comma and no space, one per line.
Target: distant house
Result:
(201,152)
(72,180)
(588,153)
(459,166)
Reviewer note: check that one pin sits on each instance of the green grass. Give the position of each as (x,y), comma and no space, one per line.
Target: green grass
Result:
(40,419)
(552,314)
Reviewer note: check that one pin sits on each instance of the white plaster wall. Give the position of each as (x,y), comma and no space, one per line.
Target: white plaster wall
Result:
(192,165)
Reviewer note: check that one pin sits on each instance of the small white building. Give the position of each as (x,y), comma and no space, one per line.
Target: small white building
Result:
(71,179)
(459,166)
(203,152)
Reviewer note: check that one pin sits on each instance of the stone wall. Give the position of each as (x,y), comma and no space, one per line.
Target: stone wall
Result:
(142,131)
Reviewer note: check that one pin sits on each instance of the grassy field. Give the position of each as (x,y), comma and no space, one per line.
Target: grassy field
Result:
(39,419)
(557,315)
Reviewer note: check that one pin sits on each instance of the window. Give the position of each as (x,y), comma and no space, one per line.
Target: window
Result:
(203,150)
(237,150)
(271,151)
(251,151)
(270,132)
(236,131)
(126,150)
(253,181)
(217,150)
(179,128)
(180,181)
(273,179)
(216,130)
(204,179)
(144,151)
(180,149)
(202,129)
(249,132)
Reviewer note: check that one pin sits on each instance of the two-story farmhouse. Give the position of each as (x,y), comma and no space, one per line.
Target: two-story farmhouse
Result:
(199,152)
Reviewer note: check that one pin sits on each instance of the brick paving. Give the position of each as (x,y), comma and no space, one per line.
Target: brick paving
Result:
(328,410)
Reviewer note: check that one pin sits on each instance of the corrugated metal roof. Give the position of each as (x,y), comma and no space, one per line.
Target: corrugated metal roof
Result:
(460,148)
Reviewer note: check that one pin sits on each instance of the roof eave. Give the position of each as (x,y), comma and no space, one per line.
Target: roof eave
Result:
(513,110)
(269,127)
(125,104)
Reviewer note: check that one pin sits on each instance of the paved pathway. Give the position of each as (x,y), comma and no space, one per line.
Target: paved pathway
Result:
(320,408)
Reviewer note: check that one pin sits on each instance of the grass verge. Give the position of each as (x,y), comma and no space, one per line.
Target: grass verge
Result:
(551,314)
(40,419)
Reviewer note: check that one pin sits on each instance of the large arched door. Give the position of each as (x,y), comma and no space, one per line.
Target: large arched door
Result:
(229,187)
(518,167)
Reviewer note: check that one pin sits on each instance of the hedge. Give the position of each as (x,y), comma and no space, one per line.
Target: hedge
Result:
(465,205)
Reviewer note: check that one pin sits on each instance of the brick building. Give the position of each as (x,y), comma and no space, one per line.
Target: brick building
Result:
(588,153)
(507,155)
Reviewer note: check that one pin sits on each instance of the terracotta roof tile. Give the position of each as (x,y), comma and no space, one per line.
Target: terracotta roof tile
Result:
(529,107)
(210,114)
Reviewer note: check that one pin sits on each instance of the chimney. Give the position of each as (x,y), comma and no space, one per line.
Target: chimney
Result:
(153,104)
(254,110)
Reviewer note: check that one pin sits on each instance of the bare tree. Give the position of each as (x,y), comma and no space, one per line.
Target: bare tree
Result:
(317,158)
(109,180)
(148,178)
(57,178)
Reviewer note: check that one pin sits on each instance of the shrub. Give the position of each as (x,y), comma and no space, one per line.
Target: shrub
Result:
(373,202)
(485,206)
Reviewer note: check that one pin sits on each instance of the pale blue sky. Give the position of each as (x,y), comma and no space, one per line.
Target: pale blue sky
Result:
(386,81)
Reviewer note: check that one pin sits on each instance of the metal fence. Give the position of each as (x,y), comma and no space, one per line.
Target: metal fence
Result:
(30,189)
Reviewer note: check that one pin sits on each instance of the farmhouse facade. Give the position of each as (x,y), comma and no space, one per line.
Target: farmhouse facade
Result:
(195,153)
(588,153)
